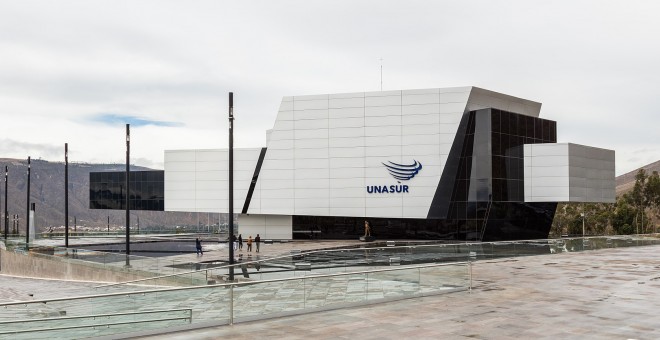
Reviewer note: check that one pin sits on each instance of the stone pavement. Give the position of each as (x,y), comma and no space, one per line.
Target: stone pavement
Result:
(603,294)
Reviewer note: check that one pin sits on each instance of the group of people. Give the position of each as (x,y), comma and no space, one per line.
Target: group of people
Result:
(238,242)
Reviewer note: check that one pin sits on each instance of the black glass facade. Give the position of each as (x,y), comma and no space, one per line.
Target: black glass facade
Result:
(481,192)
(147,190)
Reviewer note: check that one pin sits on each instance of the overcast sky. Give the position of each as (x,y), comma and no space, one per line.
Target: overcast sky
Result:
(77,71)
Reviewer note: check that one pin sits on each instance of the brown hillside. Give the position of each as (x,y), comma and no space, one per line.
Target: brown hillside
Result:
(626,182)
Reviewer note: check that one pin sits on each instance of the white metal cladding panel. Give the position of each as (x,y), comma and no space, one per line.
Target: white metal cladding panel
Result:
(301,135)
(276,174)
(318,104)
(347,202)
(207,184)
(303,115)
(346,113)
(394,100)
(303,203)
(177,195)
(381,111)
(179,204)
(351,182)
(353,152)
(430,118)
(309,174)
(267,226)
(342,142)
(347,162)
(421,98)
(350,122)
(277,185)
(420,129)
(310,124)
(343,172)
(431,150)
(311,143)
(276,206)
(276,193)
(338,193)
(384,151)
(379,121)
(180,166)
(346,132)
(318,163)
(409,141)
(420,109)
(339,103)
(568,173)
(311,153)
(322,181)
(371,141)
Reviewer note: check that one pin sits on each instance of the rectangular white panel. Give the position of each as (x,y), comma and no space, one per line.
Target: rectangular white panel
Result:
(383,101)
(568,173)
(346,112)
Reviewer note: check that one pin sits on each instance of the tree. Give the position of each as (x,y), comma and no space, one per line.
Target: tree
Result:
(652,193)
(624,215)
(638,197)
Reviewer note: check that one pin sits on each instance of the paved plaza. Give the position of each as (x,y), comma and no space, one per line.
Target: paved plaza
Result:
(602,294)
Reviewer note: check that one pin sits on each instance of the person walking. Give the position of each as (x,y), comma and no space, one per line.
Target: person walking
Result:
(198,245)
(234,243)
(240,242)
(249,243)
(257,240)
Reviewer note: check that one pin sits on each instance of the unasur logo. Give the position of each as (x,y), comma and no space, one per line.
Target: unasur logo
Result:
(403,172)
(400,172)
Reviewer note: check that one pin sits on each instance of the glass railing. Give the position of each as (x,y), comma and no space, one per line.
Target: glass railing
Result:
(115,313)
(301,264)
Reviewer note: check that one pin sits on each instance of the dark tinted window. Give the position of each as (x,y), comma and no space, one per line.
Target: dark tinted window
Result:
(107,190)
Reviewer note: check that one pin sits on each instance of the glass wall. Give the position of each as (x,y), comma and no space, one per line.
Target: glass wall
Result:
(147,190)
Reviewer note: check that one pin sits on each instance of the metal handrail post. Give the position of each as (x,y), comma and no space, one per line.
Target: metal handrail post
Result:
(231,304)
(470,274)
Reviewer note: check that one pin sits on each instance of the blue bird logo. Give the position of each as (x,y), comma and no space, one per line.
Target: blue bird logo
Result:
(403,172)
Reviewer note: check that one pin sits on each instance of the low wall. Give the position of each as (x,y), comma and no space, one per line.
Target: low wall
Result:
(54,267)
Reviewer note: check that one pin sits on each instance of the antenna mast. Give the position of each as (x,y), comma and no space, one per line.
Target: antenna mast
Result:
(381,74)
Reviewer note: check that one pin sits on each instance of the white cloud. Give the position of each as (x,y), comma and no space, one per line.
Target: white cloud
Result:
(591,63)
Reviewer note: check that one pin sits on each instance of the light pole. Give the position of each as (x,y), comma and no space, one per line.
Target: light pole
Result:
(6,216)
(128,208)
(27,223)
(231,186)
(66,195)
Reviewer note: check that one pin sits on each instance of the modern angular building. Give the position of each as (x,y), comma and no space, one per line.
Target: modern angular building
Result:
(458,163)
